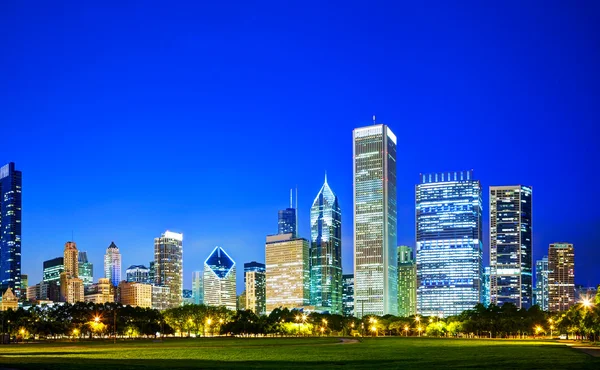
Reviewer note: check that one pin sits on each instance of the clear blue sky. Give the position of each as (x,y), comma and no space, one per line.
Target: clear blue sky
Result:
(130,119)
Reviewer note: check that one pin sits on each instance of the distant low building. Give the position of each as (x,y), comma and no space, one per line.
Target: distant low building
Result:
(101,292)
(44,291)
(188,296)
(138,274)
(9,301)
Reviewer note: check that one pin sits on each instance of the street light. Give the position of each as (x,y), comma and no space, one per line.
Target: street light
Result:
(406,330)
(419,329)
(538,329)
(587,303)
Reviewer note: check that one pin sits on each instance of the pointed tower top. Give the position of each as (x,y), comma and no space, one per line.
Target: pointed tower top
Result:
(326,176)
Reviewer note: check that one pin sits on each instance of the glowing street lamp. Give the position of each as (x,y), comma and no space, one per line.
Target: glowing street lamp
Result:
(406,330)
(538,329)
(419,329)
(221,321)
(587,303)
(97,319)
(322,330)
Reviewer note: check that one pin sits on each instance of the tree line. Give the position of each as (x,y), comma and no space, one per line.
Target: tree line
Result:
(89,320)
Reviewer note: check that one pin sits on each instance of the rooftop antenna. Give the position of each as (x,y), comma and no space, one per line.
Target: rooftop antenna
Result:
(374,119)
(326,176)
(291,201)
(296,210)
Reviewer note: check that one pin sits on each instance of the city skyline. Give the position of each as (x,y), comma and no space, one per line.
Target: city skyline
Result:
(269,111)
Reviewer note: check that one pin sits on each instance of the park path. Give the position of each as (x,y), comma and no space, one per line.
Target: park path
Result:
(348,341)
(592,351)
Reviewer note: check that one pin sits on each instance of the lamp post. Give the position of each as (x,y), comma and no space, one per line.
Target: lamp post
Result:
(551,326)
(418,320)
(406,330)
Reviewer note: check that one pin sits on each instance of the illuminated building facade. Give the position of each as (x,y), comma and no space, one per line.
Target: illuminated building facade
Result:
(407,282)
(255,293)
(86,270)
(485,287)
(138,274)
(135,294)
(511,258)
(168,258)
(10,229)
(561,277)
(53,268)
(541,283)
(101,292)
(449,245)
(287,272)
(326,252)
(197,287)
(375,223)
(71,286)
(219,282)
(348,294)
(112,264)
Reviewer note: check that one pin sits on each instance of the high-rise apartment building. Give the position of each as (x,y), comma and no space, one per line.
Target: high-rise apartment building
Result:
(375,223)
(348,294)
(287,272)
(197,287)
(511,245)
(407,282)
(71,286)
(138,274)
(112,264)
(135,294)
(255,293)
(219,280)
(449,244)
(541,283)
(326,252)
(168,259)
(561,277)
(10,229)
(86,269)
(53,268)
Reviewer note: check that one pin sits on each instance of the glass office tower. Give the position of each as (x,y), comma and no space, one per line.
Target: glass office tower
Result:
(510,245)
(286,223)
(86,269)
(10,229)
(112,264)
(541,283)
(375,240)
(449,245)
(255,282)
(326,252)
(407,282)
(348,294)
(198,287)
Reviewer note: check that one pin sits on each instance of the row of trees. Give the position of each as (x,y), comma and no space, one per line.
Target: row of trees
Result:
(100,320)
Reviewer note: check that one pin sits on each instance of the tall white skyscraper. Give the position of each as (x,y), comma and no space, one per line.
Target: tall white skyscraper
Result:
(375,223)
(112,264)
(168,265)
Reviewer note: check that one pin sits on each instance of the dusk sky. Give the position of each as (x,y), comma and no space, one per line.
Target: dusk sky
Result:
(130,119)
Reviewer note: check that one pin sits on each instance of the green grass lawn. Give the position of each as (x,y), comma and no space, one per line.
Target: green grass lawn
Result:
(285,353)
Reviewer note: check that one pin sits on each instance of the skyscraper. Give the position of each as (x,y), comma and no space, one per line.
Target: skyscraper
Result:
(86,269)
(375,258)
(485,287)
(287,272)
(326,251)
(255,280)
(197,287)
(348,294)
(52,269)
(449,245)
(511,245)
(541,283)
(112,264)
(10,229)
(407,282)
(219,280)
(71,286)
(135,294)
(561,277)
(168,265)
(288,219)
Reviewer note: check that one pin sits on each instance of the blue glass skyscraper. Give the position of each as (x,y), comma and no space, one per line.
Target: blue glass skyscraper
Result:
(10,228)
(287,219)
(449,245)
(326,251)
(511,245)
